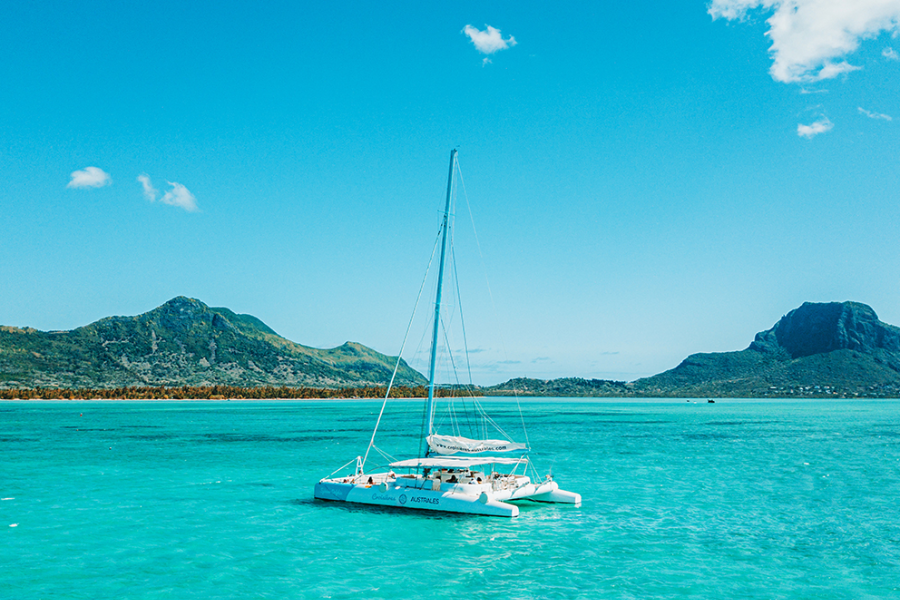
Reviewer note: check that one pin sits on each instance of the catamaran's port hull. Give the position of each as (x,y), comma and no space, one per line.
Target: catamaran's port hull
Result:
(404,497)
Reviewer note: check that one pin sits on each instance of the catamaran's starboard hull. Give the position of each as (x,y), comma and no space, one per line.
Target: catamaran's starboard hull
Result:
(420,499)
(557,496)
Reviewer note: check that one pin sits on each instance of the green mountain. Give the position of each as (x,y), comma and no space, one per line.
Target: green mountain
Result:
(836,348)
(818,350)
(565,387)
(184,342)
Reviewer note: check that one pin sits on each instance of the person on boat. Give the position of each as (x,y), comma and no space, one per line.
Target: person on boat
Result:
(371,481)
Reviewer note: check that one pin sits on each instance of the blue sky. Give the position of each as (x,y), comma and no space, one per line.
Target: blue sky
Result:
(647,181)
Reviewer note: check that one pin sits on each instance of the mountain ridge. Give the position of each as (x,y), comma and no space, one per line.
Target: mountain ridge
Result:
(818,349)
(184,342)
(841,345)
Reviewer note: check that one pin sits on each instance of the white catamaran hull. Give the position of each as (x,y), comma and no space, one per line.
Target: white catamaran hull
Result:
(414,498)
(468,499)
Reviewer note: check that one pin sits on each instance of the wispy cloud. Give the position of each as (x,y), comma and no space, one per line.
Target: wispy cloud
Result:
(806,91)
(810,131)
(180,196)
(810,37)
(149,191)
(89,177)
(873,115)
(489,40)
(890,54)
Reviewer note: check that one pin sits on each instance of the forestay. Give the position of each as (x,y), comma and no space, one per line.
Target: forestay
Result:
(451,444)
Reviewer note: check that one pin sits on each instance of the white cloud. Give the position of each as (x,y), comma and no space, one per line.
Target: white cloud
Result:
(810,36)
(486,62)
(89,177)
(489,40)
(830,71)
(823,125)
(149,191)
(873,115)
(178,196)
(181,197)
(890,54)
(806,91)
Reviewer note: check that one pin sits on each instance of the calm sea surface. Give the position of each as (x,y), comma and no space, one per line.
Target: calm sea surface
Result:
(737,499)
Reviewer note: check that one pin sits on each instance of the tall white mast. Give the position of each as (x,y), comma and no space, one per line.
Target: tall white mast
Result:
(445,225)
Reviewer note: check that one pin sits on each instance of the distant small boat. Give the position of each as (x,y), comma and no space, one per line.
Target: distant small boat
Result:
(710,401)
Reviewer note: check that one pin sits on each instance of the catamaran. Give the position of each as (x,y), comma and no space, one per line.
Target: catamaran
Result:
(457,474)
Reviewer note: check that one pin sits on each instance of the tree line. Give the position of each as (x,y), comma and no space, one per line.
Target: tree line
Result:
(218,392)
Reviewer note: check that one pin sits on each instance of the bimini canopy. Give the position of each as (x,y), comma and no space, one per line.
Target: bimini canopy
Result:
(452,444)
(451,462)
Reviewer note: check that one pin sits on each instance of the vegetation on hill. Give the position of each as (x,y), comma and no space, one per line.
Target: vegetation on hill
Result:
(836,349)
(829,349)
(187,349)
(216,392)
(564,387)
(185,342)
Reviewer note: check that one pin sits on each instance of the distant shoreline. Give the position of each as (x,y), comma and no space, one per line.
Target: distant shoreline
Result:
(487,397)
(521,388)
(216,392)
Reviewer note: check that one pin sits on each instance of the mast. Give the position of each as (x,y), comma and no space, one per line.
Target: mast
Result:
(445,225)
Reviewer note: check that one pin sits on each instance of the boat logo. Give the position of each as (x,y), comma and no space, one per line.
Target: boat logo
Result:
(402,498)
(426,500)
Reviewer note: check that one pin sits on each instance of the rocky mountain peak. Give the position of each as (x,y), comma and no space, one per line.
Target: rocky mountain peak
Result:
(183,304)
(817,328)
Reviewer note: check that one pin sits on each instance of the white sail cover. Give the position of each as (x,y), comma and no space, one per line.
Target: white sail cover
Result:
(452,444)
(456,462)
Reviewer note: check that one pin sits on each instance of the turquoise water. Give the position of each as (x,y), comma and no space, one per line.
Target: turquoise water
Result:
(738,499)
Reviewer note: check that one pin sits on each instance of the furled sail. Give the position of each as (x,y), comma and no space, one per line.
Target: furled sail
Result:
(450,444)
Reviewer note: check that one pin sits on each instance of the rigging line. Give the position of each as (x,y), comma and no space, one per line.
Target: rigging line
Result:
(343,467)
(496,425)
(454,422)
(418,354)
(402,346)
(441,415)
(384,454)
(424,420)
(462,182)
(455,372)
(449,412)
(462,321)
(485,416)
